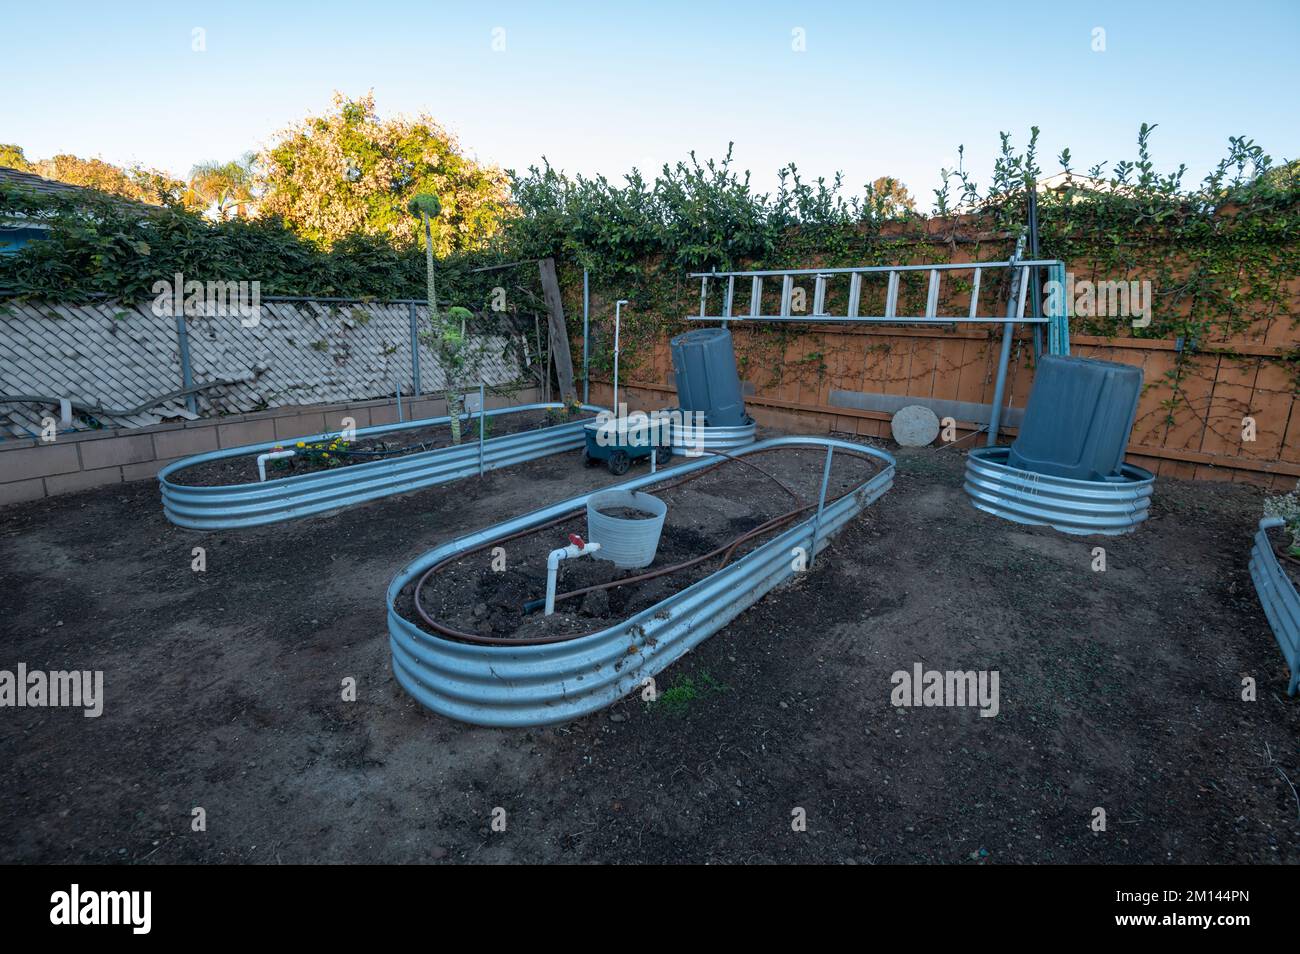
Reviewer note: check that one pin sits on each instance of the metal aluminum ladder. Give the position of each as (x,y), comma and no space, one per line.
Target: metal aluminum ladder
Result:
(1055,320)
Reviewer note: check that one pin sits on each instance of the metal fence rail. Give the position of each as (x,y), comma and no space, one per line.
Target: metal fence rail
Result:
(1277,594)
(530,685)
(287,498)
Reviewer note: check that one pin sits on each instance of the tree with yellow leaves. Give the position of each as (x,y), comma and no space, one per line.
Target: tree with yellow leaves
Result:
(350,172)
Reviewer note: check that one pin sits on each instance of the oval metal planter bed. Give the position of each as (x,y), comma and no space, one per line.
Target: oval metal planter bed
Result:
(548,682)
(1278,596)
(1068,505)
(287,498)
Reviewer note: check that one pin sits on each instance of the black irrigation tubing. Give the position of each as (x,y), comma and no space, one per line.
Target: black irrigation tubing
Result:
(729,548)
(410,448)
(726,549)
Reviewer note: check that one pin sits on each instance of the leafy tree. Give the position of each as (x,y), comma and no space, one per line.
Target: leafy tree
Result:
(134,182)
(349,172)
(223,187)
(11,157)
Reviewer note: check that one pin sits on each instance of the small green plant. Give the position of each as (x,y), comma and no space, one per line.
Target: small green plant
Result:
(677,698)
(558,415)
(1287,507)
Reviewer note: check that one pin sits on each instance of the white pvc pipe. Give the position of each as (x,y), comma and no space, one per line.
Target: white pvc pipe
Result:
(272,455)
(553,568)
(617,305)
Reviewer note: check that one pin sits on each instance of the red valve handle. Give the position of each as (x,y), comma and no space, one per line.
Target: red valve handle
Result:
(577,541)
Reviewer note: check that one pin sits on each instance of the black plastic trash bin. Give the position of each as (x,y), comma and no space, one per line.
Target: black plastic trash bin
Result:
(1078,419)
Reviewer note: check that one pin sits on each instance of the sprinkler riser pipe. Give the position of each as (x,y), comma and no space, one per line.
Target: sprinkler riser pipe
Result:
(553,569)
(273,455)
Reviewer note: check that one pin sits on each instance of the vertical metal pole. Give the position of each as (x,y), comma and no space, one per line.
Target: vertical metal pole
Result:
(586,316)
(1004,357)
(1059,329)
(482,406)
(617,312)
(1036,286)
(1053,343)
(415,349)
(187,372)
(821,505)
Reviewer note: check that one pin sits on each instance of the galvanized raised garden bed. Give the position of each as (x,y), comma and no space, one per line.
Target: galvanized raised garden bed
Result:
(286,498)
(525,685)
(1277,594)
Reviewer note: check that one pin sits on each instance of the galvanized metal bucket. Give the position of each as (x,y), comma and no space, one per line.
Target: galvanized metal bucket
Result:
(628,543)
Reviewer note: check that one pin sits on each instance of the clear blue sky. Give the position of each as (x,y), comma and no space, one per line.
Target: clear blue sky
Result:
(882,89)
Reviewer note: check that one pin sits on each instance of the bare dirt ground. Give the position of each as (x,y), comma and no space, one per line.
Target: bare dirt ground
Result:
(1118,689)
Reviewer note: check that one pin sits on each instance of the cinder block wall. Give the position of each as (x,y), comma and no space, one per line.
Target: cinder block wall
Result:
(31,469)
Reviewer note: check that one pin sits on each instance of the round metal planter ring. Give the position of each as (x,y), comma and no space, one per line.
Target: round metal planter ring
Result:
(1071,506)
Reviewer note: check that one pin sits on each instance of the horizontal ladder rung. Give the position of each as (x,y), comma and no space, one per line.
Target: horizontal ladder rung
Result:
(873,319)
(878,269)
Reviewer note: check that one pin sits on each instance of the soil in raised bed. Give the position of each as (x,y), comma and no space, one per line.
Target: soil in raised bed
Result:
(704,514)
(243,469)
